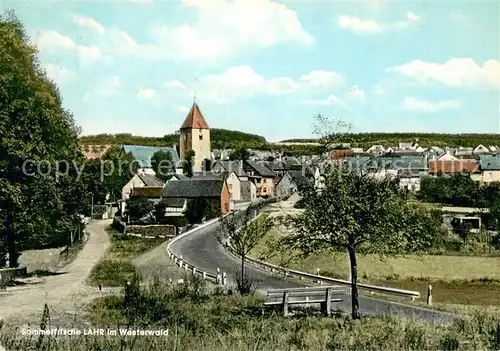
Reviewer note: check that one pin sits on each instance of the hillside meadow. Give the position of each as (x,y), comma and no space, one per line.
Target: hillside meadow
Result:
(456,279)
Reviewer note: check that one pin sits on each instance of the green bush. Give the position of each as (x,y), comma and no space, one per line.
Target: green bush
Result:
(112,273)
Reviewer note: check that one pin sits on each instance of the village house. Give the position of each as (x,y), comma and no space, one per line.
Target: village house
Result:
(152,193)
(291,183)
(480,150)
(261,176)
(449,167)
(138,181)
(175,194)
(490,168)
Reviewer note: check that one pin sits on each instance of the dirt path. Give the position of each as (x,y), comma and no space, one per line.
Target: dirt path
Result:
(65,293)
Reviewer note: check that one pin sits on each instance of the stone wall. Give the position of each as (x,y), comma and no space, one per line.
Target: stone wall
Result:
(7,274)
(157,230)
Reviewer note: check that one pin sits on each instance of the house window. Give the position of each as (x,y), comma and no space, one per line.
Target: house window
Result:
(230,187)
(200,136)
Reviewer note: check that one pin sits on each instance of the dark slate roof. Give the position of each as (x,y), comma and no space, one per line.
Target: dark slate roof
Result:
(172,202)
(192,188)
(299,178)
(408,162)
(489,162)
(245,188)
(143,154)
(179,176)
(147,191)
(260,169)
(232,166)
(291,162)
(150,180)
(356,162)
(275,165)
(209,176)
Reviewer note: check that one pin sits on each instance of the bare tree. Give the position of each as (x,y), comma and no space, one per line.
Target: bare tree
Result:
(330,130)
(242,232)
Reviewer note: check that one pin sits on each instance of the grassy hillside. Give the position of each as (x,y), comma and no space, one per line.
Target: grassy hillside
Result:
(424,139)
(218,137)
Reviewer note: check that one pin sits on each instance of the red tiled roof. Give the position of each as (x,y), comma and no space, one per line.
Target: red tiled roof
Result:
(340,154)
(195,119)
(453,166)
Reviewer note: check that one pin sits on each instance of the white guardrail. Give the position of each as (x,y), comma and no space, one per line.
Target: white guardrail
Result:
(219,278)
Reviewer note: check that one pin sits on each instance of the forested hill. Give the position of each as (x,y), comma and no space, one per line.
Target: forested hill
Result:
(219,138)
(424,139)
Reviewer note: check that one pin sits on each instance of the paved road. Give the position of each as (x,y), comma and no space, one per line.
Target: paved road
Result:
(64,293)
(201,249)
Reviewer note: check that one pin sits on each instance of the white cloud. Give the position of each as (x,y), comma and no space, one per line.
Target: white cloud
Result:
(52,41)
(146,93)
(175,84)
(89,22)
(359,26)
(379,89)
(413,17)
(183,109)
(356,93)
(372,27)
(105,88)
(331,100)
(419,105)
(223,29)
(321,80)
(244,81)
(456,73)
(59,74)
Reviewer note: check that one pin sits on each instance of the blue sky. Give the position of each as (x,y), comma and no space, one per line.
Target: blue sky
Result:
(267,67)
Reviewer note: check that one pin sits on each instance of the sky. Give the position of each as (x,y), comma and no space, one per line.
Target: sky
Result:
(267,67)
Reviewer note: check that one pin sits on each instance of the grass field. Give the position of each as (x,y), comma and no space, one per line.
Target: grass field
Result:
(200,320)
(455,279)
(116,268)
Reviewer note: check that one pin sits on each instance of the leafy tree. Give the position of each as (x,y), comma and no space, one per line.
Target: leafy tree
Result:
(138,207)
(188,163)
(239,154)
(242,233)
(357,214)
(163,165)
(116,170)
(463,230)
(34,127)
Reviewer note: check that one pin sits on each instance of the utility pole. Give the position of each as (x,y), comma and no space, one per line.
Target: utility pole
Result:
(92,207)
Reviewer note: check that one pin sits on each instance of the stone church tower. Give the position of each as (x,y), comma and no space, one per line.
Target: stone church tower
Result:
(195,135)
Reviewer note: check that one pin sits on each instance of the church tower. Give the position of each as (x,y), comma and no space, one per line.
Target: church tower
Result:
(195,135)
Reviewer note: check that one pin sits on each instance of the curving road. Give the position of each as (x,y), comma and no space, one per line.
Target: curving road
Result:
(202,250)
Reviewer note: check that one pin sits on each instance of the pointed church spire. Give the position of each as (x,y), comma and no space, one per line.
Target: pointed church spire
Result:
(195,119)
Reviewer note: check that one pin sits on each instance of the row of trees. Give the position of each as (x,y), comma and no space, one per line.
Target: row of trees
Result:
(46,185)
(424,139)
(40,197)
(458,190)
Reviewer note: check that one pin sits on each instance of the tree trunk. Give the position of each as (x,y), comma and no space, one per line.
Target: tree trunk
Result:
(354,283)
(242,268)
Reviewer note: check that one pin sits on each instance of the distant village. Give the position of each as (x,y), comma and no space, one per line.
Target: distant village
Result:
(266,174)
